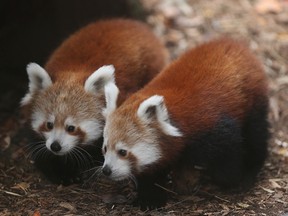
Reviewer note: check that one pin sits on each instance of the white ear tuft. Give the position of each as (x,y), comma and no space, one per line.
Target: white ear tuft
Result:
(155,107)
(99,79)
(111,95)
(39,80)
(145,108)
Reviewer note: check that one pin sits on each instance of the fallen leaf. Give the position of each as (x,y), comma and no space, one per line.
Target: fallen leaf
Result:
(267,190)
(274,183)
(243,205)
(12,193)
(36,213)
(67,206)
(22,186)
(281,201)
(283,152)
(5,143)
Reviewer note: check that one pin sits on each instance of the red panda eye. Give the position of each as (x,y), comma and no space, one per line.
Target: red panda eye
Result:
(49,125)
(70,128)
(122,152)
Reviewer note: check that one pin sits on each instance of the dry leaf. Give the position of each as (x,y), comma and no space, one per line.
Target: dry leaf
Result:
(22,186)
(243,205)
(5,143)
(267,190)
(67,206)
(36,213)
(283,152)
(274,183)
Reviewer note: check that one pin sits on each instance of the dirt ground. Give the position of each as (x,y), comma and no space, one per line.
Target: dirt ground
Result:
(181,24)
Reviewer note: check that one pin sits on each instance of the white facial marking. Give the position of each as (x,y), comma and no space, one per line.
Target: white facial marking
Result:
(38,118)
(67,142)
(70,121)
(120,167)
(161,114)
(146,154)
(92,128)
(51,118)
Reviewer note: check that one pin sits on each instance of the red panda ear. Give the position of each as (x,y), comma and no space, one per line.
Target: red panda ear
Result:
(99,79)
(39,80)
(148,108)
(111,94)
(154,108)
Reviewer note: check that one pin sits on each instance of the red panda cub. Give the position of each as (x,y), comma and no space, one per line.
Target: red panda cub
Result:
(208,108)
(66,97)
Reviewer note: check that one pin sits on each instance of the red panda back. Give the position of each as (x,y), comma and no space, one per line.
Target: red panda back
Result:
(218,77)
(129,45)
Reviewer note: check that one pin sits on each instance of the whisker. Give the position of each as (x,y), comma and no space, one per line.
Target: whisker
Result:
(36,150)
(81,147)
(82,158)
(32,150)
(134,180)
(97,173)
(92,169)
(91,144)
(75,157)
(40,153)
(79,156)
(30,146)
(84,151)
(86,158)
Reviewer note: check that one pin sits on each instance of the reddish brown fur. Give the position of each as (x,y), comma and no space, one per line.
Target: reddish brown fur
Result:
(129,45)
(216,95)
(218,77)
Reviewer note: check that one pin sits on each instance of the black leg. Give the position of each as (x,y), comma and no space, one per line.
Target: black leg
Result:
(151,194)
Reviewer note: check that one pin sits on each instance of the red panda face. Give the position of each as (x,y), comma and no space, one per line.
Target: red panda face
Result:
(66,113)
(67,118)
(131,136)
(129,147)
(62,137)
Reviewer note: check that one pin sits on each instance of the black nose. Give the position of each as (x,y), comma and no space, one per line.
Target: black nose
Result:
(55,146)
(106,170)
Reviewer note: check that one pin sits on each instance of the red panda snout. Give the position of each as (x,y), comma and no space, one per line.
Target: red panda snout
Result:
(68,139)
(118,161)
(59,142)
(55,146)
